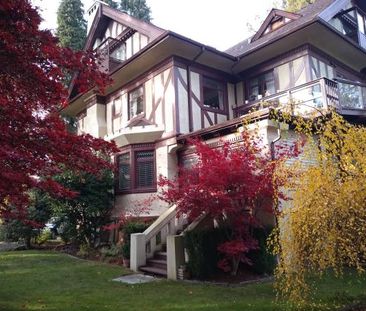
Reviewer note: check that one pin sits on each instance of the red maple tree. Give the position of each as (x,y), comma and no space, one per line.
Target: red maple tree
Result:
(34,142)
(230,184)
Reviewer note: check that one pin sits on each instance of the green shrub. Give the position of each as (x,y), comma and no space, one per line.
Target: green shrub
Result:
(112,251)
(133,227)
(263,261)
(2,233)
(85,251)
(126,251)
(128,229)
(44,236)
(201,246)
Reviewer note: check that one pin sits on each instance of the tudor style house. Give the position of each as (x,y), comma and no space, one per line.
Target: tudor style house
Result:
(168,87)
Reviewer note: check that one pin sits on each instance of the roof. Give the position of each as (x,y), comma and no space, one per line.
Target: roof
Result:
(307,15)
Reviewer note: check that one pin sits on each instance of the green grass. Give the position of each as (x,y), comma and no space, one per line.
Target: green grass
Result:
(34,280)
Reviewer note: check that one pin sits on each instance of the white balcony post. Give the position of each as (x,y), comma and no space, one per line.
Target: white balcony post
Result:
(137,251)
(324,93)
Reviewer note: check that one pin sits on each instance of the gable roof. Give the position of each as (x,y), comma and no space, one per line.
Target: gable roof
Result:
(272,16)
(308,14)
(105,13)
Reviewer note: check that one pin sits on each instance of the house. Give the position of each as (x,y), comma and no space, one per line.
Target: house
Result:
(168,87)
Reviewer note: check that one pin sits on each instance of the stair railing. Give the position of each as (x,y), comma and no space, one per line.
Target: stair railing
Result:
(144,245)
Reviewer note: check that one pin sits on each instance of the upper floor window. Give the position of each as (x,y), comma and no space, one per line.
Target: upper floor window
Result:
(119,52)
(320,69)
(117,106)
(261,86)
(135,102)
(213,93)
(136,170)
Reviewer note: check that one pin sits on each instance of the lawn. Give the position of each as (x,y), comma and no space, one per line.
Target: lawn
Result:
(34,280)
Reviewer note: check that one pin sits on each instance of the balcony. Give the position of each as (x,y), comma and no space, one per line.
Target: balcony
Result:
(347,97)
(112,51)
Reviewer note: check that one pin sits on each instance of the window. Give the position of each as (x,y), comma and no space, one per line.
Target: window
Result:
(261,86)
(119,52)
(135,102)
(124,168)
(144,169)
(136,170)
(213,93)
(117,106)
(291,74)
(320,70)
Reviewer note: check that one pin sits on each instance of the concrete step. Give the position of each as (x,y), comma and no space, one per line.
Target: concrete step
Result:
(157,263)
(154,271)
(160,255)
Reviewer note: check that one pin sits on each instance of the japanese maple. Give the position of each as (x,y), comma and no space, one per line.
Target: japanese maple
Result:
(230,184)
(35,144)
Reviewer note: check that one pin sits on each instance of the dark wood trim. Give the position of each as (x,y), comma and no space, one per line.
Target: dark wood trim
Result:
(132,150)
(314,51)
(144,77)
(161,100)
(205,70)
(190,116)
(165,87)
(176,100)
(93,29)
(276,61)
(269,18)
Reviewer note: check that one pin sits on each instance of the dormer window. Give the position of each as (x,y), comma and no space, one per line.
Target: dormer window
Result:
(275,20)
(276,23)
(352,24)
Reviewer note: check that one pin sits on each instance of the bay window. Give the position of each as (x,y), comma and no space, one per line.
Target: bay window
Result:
(136,170)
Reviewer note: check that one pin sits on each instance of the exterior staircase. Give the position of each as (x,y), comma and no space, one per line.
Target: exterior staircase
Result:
(156,266)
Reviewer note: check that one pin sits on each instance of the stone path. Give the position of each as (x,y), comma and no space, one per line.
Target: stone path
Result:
(135,279)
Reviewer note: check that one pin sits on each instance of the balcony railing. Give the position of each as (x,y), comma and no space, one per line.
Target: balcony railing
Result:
(113,50)
(317,95)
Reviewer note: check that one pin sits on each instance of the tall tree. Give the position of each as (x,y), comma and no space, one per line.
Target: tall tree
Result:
(34,140)
(325,228)
(112,4)
(295,5)
(136,8)
(71,25)
(82,217)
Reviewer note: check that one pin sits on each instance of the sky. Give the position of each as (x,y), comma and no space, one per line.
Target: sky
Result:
(217,23)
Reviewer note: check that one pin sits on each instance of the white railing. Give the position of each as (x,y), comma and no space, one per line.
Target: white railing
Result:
(315,95)
(144,245)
